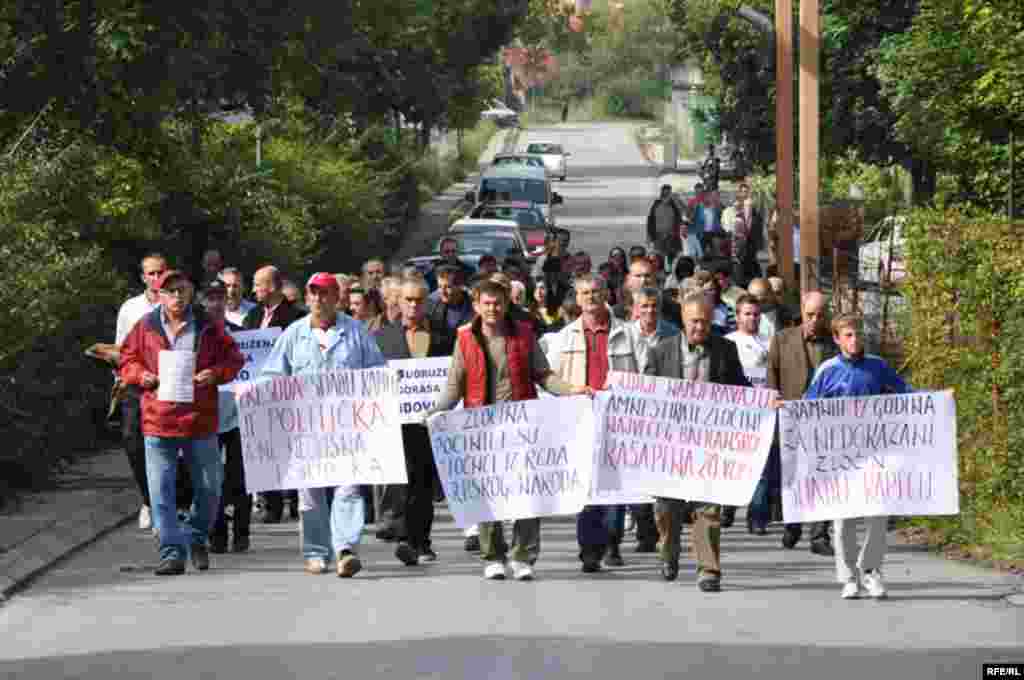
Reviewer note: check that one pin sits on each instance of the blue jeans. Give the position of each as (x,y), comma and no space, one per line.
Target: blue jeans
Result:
(330,525)
(203,458)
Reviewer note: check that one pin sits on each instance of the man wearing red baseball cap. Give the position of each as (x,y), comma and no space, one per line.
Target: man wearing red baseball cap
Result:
(187,426)
(326,340)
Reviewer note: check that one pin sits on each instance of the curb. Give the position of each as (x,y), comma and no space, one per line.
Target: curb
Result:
(64,537)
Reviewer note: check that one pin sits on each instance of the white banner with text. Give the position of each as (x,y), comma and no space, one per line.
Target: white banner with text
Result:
(515,460)
(867,456)
(680,439)
(323,429)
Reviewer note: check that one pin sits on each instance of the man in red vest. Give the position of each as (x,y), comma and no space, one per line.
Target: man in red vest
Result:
(495,360)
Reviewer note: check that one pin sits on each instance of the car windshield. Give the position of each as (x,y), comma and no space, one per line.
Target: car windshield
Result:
(544,148)
(526,217)
(494,244)
(518,160)
(513,189)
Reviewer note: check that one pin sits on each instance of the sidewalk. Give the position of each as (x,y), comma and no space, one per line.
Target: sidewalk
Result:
(96,495)
(433,219)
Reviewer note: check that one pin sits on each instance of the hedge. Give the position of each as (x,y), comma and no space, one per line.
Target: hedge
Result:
(966,291)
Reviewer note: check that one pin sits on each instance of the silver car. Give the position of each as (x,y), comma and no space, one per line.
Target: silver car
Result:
(554,157)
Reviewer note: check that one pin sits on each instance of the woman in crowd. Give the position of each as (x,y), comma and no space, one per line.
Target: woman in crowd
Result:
(367,306)
(545,310)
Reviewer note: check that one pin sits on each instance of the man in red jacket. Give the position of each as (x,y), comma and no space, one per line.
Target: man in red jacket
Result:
(189,422)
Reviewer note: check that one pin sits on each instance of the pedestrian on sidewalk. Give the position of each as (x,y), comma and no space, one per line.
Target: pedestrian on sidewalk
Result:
(696,355)
(853,373)
(663,220)
(326,340)
(274,310)
(498,360)
(153,267)
(415,337)
(587,349)
(229,437)
(171,426)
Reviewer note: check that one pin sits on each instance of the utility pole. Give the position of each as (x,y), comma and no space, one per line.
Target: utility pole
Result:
(810,67)
(784,140)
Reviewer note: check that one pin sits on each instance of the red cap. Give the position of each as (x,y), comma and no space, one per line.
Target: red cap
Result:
(323,280)
(170,275)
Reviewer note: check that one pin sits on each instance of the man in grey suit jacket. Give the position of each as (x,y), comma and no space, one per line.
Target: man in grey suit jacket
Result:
(696,355)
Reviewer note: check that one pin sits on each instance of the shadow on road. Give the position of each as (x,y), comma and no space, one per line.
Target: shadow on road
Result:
(498,658)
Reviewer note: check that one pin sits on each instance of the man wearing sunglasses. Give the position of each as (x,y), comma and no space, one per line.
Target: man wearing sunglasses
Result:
(185,423)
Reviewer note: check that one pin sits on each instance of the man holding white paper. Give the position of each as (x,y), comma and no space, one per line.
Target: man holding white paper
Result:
(177,346)
(326,340)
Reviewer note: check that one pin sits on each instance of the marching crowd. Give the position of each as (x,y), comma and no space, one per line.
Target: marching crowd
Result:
(692,304)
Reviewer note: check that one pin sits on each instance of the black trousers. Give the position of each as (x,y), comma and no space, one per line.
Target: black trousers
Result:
(419,496)
(234,491)
(646,529)
(131,436)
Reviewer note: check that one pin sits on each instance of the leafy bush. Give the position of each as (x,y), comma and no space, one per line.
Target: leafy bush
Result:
(966,292)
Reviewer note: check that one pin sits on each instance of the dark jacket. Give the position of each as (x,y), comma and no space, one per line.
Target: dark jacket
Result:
(437,312)
(215,350)
(285,315)
(665,360)
(652,225)
(393,344)
(790,367)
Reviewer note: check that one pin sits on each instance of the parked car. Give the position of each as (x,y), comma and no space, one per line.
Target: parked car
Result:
(499,243)
(524,213)
(554,157)
(501,114)
(477,226)
(528,159)
(516,183)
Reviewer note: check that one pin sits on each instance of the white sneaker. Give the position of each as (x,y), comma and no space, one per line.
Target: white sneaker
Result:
(521,571)
(851,591)
(873,584)
(145,518)
(494,571)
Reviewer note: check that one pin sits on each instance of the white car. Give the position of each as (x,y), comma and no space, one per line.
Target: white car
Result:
(554,157)
(501,114)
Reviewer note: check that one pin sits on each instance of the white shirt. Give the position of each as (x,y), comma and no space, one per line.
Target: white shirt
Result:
(238,316)
(753,351)
(129,314)
(642,344)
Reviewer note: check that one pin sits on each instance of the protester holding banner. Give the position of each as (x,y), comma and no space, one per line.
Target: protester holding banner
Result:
(699,356)
(496,360)
(855,374)
(177,356)
(584,352)
(648,329)
(793,356)
(414,337)
(326,340)
(214,300)
(273,311)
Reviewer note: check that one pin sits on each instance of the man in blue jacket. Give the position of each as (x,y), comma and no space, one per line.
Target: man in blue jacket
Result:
(326,340)
(852,373)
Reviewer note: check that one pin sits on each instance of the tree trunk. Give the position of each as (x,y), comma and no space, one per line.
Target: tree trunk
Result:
(924,181)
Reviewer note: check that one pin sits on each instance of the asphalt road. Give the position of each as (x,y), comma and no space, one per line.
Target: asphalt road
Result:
(102,614)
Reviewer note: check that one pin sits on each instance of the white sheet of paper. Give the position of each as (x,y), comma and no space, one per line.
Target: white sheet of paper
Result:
(177,369)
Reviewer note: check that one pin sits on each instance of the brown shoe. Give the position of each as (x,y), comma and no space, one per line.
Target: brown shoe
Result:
(348,564)
(316,566)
